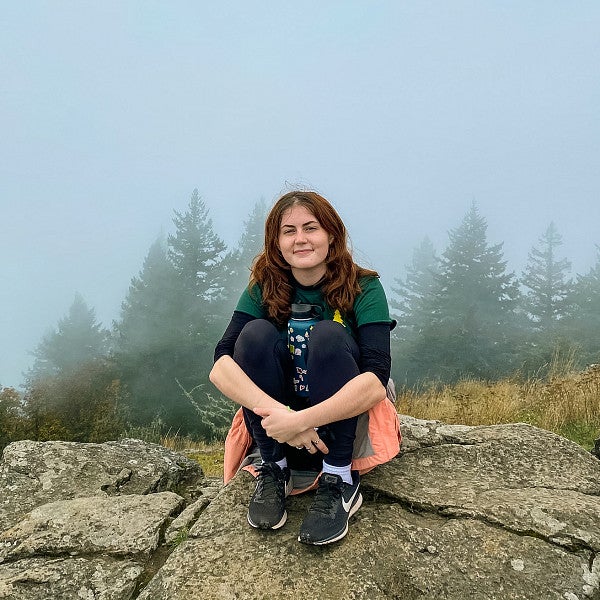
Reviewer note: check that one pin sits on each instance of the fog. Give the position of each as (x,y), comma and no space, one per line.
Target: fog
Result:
(401,113)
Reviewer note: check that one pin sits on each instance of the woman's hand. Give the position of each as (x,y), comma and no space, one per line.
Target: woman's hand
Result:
(283,425)
(309,440)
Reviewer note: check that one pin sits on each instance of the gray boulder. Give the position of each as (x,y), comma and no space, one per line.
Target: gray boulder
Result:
(496,513)
(501,512)
(87,521)
(79,578)
(121,526)
(33,473)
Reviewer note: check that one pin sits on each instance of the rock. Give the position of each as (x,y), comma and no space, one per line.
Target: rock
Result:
(69,578)
(495,513)
(209,488)
(33,473)
(121,526)
(185,519)
(506,512)
(418,433)
(86,521)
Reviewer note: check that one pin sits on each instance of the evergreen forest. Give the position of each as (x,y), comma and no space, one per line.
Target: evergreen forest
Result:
(460,314)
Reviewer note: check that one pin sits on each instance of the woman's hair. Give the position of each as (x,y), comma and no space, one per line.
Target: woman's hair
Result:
(270,271)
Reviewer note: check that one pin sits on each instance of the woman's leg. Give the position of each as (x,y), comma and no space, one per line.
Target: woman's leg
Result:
(332,361)
(262,353)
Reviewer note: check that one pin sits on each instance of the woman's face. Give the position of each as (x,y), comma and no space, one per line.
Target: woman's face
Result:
(304,244)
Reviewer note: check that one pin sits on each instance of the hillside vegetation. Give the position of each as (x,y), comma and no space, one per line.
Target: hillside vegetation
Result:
(565,403)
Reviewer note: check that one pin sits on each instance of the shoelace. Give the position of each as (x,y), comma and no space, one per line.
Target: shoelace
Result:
(328,493)
(269,487)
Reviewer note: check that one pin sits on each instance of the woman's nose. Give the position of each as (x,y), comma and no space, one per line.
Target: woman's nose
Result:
(300,237)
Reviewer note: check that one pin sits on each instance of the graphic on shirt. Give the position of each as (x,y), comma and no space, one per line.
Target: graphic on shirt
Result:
(337,317)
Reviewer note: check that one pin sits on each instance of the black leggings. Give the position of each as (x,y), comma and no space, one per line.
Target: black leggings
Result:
(332,361)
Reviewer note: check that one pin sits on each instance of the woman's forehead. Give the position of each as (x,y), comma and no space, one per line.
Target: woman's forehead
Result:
(297,214)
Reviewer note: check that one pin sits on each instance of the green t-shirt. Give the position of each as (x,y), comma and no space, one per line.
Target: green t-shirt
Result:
(370,306)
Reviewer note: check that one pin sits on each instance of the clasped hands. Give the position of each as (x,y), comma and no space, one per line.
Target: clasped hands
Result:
(284,425)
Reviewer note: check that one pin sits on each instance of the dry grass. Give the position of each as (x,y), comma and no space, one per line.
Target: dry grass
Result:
(208,455)
(568,404)
(468,402)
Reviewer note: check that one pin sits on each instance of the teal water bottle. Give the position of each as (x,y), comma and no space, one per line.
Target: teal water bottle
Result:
(302,320)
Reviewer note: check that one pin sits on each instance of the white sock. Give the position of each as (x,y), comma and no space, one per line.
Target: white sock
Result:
(344,472)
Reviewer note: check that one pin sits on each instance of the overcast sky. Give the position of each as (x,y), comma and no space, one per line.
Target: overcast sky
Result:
(402,113)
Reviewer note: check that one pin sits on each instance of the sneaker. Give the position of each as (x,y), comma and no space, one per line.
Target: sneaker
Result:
(267,504)
(335,502)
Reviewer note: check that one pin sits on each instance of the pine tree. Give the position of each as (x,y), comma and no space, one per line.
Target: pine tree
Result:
(170,325)
(584,322)
(79,339)
(150,313)
(547,301)
(472,315)
(548,307)
(252,239)
(196,252)
(150,337)
(73,392)
(165,340)
(410,302)
(411,297)
(237,263)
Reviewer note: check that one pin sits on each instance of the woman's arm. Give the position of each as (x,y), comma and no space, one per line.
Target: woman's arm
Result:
(230,380)
(354,398)
(228,376)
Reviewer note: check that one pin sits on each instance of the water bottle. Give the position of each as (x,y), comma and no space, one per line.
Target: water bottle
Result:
(302,319)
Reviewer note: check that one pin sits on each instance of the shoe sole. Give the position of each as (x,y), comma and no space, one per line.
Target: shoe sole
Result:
(340,535)
(267,525)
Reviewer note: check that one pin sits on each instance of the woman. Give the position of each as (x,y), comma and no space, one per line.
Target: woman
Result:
(306,260)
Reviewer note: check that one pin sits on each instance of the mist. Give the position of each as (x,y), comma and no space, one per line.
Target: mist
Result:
(401,114)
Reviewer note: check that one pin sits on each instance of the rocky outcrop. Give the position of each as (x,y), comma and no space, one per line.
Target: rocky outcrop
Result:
(87,521)
(496,512)
(33,473)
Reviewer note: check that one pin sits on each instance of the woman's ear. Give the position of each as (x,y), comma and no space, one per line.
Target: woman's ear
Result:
(330,240)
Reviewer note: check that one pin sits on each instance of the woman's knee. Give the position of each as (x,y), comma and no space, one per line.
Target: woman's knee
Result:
(329,338)
(260,347)
(256,334)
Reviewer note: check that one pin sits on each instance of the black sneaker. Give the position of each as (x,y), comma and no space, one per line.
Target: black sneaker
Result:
(267,504)
(335,502)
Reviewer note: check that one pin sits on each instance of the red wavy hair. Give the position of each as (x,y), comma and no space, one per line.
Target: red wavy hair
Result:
(270,271)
